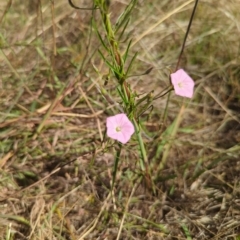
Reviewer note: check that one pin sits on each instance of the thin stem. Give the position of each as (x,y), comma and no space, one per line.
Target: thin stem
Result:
(162,94)
(186,35)
(166,108)
(79,8)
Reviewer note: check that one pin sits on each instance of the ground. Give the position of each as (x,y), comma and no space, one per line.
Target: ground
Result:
(56,162)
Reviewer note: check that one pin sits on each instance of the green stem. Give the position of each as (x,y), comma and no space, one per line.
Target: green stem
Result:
(143,160)
(166,108)
(116,164)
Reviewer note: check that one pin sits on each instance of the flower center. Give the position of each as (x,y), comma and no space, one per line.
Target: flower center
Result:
(118,129)
(180,84)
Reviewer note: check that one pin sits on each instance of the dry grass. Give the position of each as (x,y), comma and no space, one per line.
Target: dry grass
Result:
(56,173)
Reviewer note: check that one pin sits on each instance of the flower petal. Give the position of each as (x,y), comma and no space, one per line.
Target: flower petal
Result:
(182,83)
(122,122)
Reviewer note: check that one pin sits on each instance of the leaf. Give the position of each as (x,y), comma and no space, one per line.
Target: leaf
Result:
(124,28)
(124,16)
(125,55)
(130,65)
(99,35)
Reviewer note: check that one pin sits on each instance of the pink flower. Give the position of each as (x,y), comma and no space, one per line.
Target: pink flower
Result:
(182,83)
(120,128)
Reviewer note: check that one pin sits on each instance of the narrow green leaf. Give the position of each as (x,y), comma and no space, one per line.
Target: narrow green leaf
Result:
(99,35)
(124,28)
(124,16)
(125,55)
(186,231)
(105,60)
(130,65)
(16,218)
(113,68)
(121,95)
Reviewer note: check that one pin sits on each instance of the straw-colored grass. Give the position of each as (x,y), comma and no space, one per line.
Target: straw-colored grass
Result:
(56,162)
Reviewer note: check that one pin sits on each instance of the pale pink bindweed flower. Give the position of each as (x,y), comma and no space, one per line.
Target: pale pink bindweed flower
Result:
(182,83)
(120,128)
